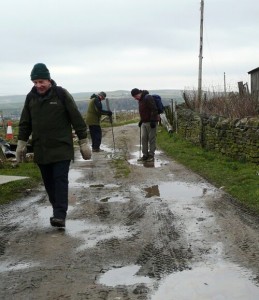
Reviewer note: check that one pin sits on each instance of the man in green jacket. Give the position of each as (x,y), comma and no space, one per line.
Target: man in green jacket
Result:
(93,119)
(49,113)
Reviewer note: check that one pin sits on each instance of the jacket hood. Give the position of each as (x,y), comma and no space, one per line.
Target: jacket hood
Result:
(144,93)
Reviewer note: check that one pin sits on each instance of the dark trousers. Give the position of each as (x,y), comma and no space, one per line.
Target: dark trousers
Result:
(55,178)
(96,136)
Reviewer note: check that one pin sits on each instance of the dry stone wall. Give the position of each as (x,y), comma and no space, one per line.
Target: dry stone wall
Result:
(238,139)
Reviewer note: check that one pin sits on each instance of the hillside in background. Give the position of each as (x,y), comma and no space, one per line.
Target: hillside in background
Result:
(11,106)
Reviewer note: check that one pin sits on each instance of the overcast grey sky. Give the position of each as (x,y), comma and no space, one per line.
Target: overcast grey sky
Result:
(93,45)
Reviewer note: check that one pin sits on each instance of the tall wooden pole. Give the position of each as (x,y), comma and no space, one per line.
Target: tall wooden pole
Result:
(200,58)
(225,90)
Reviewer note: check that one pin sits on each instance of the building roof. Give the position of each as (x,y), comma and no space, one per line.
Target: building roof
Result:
(254,70)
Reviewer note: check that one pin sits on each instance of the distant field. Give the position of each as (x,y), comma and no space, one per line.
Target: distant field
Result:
(11,106)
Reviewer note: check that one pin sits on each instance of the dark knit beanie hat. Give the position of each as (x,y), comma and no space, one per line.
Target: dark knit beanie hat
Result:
(135,91)
(102,94)
(40,71)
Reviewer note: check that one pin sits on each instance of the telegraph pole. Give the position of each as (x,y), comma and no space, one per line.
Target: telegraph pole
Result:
(225,90)
(200,59)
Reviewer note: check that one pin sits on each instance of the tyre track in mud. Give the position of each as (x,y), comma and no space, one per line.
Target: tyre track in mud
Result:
(152,249)
(113,223)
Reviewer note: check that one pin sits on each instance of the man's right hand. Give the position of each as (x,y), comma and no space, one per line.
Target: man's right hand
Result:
(139,123)
(21,151)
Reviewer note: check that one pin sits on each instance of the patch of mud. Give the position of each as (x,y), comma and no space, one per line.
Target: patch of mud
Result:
(162,232)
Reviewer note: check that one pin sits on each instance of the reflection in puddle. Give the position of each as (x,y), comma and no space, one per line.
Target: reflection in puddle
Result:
(182,191)
(123,276)
(184,201)
(152,191)
(220,281)
(176,190)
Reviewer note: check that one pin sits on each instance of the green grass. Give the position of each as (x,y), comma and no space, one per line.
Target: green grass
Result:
(15,189)
(122,167)
(239,179)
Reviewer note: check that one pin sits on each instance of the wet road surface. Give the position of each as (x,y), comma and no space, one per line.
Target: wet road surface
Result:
(162,233)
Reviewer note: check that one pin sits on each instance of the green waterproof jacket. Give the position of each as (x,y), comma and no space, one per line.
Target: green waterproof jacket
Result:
(50,119)
(95,111)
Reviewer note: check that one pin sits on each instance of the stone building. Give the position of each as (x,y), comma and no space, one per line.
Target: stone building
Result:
(254,82)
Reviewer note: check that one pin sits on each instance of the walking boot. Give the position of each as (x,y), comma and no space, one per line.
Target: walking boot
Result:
(57,222)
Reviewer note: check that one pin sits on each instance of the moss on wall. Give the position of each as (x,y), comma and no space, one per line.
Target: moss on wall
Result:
(238,139)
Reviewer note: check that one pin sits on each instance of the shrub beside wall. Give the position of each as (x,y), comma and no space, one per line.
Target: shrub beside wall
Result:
(238,139)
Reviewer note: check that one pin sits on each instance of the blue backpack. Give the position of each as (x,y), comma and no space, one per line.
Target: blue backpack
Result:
(159,104)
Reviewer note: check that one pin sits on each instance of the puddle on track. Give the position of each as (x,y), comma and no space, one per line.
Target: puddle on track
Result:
(222,281)
(73,177)
(90,233)
(180,191)
(14,266)
(26,219)
(219,281)
(123,276)
(215,278)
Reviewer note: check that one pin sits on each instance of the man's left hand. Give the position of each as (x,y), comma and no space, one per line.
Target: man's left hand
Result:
(153,124)
(85,149)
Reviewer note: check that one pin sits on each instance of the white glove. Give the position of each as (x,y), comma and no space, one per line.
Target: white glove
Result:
(21,151)
(85,149)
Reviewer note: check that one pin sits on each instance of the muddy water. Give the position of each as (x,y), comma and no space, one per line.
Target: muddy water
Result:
(219,281)
(215,277)
(161,233)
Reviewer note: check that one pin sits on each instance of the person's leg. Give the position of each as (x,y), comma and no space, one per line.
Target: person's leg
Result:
(152,141)
(96,136)
(144,138)
(91,129)
(47,177)
(60,177)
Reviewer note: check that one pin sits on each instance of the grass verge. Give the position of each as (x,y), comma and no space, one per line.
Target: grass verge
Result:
(122,168)
(240,180)
(13,190)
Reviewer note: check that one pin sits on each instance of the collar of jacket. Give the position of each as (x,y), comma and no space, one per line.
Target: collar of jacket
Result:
(144,93)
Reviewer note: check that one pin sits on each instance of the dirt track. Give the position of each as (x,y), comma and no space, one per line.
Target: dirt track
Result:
(161,233)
